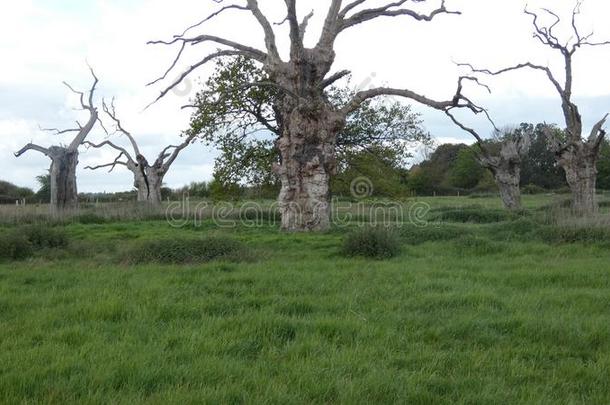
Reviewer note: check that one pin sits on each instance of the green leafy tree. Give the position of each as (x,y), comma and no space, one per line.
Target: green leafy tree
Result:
(539,166)
(44,192)
(466,172)
(242,122)
(603,166)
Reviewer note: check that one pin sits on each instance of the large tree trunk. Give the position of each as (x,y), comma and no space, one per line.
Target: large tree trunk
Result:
(581,175)
(307,149)
(64,193)
(148,183)
(506,169)
(510,192)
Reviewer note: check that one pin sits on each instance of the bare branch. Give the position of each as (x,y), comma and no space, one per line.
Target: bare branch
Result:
(34,147)
(112,145)
(112,165)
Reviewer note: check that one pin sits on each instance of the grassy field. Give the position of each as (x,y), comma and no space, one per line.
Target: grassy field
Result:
(480,307)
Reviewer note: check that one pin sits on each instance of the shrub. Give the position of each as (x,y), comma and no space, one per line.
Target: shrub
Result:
(372,242)
(44,236)
(15,246)
(182,251)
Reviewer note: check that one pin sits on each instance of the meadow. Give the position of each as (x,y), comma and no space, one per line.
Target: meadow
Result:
(476,306)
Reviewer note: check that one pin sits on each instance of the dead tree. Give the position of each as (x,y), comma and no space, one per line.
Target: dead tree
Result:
(577,156)
(308,120)
(148,178)
(503,163)
(64,159)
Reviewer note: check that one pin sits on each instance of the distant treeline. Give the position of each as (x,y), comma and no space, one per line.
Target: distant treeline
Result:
(451,169)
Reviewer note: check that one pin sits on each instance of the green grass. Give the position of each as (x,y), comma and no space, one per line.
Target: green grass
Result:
(468,313)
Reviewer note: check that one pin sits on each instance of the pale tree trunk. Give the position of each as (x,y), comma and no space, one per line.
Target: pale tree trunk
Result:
(506,165)
(148,183)
(64,193)
(510,192)
(307,149)
(581,175)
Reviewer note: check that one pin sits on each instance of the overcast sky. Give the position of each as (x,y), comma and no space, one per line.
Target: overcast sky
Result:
(44,42)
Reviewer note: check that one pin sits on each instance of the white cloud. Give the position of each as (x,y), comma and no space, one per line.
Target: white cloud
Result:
(45,42)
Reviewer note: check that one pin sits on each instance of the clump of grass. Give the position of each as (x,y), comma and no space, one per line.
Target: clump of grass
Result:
(569,234)
(431,233)
(184,251)
(44,236)
(372,242)
(15,246)
(523,229)
(472,245)
(90,218)
(472,215)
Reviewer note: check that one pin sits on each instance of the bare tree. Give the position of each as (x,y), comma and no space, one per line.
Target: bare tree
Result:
(502,157)
(577,156)
(308,121)
(148,178)
(64,159)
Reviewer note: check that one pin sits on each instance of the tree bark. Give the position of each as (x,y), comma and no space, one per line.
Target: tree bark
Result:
(510,192)
(307,150)
(506,167)
(580,167)
(64,193)
(148,183)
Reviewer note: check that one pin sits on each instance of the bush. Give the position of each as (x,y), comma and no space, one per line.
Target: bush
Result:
(373,242)
(183,251)
(43,236)
(15,246)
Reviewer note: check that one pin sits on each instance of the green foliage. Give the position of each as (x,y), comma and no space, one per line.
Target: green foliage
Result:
(466,172)
(240,121)
(432,175)
(372,242)
(9,192)
(379,165)
(44,236)
(539,167)
(603,166)
(15,246)
(183,250)
(44,192)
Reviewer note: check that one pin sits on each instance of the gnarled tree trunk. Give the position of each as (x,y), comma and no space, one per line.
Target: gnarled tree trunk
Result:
(307,149)
(64,193)
(580,166)
(510,192)
(506,166)
(148,182)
